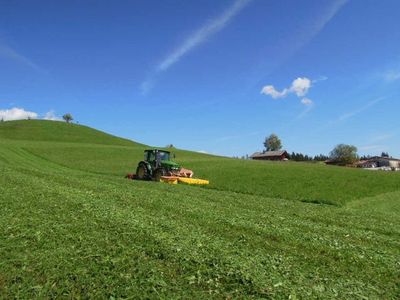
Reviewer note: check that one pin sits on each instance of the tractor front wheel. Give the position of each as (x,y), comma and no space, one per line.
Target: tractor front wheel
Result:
(158,173)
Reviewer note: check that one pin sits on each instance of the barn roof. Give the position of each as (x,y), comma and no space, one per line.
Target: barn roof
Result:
(268,153)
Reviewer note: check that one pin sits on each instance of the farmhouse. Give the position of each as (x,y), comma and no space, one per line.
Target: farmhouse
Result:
(270,155)
(378,162)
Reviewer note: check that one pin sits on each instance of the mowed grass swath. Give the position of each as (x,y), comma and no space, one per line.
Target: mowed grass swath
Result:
(72,226)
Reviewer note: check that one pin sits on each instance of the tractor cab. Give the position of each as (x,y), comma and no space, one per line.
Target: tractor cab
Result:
(158,158)
(156,155)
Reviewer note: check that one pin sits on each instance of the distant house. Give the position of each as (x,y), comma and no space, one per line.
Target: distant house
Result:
(378,162)
(270,155)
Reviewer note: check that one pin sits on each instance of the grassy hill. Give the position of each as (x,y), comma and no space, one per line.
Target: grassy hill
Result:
(72,226)
(50,131)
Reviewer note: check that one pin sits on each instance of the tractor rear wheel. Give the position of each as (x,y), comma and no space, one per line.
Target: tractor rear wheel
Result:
(158,173)
(142,172)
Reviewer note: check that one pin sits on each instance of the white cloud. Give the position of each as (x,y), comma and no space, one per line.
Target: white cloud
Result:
(195,39)
(309,105)
(16,114)
(300,87)
(271,91)
(51,116)
(306,101)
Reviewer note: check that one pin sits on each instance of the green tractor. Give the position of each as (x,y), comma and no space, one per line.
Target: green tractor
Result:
(157,163)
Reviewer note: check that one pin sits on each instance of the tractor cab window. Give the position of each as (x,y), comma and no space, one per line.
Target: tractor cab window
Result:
(163,155)
(149,156)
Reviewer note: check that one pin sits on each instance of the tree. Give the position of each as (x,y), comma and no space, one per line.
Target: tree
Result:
(344,154)
(385,154)
(272,143)
(67,117)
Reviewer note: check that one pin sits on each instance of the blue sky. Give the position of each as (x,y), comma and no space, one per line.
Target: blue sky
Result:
(214,76)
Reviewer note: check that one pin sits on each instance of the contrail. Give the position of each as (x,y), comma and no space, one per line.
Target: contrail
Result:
(360,110)
(11,54)
(201,35)
(195,39)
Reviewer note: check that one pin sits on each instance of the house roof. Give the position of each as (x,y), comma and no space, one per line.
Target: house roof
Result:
(268,153)
(374,158)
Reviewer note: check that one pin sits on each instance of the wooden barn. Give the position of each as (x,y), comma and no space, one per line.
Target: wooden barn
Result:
(270,155)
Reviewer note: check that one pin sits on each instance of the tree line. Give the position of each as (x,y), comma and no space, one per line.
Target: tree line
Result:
(304,157)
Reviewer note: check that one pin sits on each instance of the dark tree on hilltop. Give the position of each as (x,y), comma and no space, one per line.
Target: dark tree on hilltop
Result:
(272,143)
(344,154)
(67,117)
(385,154)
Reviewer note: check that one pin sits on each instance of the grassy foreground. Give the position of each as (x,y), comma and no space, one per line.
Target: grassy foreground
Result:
(71,226)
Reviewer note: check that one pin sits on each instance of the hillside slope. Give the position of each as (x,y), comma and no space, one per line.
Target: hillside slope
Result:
(42,130)
(71,226)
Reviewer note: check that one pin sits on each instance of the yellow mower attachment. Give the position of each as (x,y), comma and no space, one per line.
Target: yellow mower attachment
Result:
(185,180)
(192,181)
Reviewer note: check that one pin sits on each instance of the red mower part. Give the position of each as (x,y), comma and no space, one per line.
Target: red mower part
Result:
(130,176)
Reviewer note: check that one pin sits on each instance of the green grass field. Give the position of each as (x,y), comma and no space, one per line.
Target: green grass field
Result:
(71,226)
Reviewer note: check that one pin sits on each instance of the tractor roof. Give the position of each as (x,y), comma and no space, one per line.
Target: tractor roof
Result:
(153,150)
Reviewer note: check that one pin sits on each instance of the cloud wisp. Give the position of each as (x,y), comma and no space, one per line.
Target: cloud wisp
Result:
(13,55)
(306,102)
(391,76)
(197,38)
(309,105)
(360,110)
(325,18)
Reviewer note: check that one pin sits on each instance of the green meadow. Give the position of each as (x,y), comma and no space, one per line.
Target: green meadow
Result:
(71,225)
